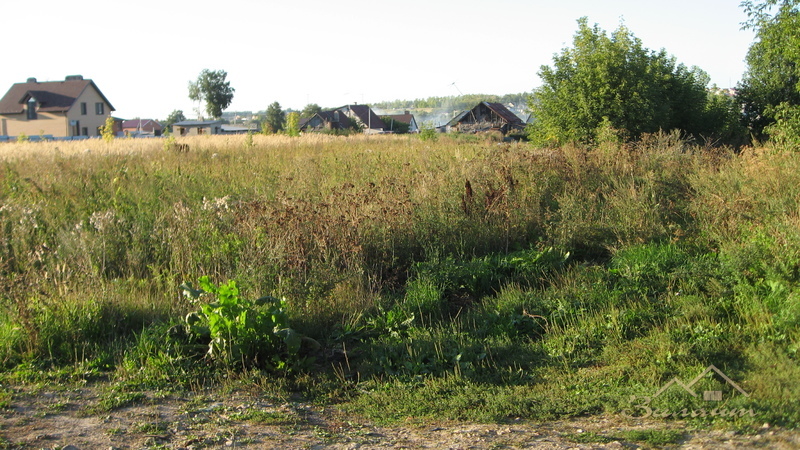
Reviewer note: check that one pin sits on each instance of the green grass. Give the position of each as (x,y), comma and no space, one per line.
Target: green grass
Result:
(456,278)
(265,417)
(116,399)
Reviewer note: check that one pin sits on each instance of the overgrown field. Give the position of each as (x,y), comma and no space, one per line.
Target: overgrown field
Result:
(458,277)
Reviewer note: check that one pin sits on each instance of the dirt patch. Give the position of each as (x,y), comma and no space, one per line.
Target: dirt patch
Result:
(55,419)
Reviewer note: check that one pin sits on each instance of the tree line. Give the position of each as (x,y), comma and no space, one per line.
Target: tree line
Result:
(459,102)
(609,86)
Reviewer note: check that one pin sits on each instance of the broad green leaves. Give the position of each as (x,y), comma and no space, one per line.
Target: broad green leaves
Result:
(615,82)
(238,331)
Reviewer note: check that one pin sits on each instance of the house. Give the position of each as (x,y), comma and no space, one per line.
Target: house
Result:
(406,118)
(345,118)
(197,127)
(365,117)
(73,107)
(239,129)
(325,121)
(142,127)
(486,116)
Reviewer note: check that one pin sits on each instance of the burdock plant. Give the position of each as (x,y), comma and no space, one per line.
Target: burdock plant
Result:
(237,331)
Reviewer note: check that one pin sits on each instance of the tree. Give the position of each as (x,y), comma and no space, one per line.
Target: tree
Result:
(613,81)
(107,130)
(770,89)
(293,124)
(275,119)
(310,110)
(173,118)
(212,89)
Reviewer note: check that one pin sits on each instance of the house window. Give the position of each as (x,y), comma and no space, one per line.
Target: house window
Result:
(32,109)
(83,108)
(84,131)
(99,109)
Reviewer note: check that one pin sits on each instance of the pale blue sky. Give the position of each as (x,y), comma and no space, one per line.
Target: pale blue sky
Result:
(143,54)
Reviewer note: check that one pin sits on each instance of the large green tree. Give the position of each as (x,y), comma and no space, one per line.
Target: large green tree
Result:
(212,89)
(276,118)
(614,81)
(770,89)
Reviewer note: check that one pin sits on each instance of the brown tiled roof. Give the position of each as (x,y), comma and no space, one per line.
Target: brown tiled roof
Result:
(52,96)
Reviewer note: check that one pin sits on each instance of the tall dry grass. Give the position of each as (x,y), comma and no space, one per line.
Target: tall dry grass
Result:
(299,216)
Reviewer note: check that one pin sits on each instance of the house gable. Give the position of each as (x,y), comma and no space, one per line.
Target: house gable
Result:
(142,126)
(486,116)
(365,116)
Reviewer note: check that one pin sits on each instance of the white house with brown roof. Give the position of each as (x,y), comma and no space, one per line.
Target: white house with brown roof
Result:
(73,107)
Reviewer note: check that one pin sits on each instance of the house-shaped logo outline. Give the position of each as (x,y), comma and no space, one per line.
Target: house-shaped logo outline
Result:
(688,387)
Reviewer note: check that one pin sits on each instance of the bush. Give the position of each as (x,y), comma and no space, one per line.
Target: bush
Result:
(785,131)
(427,132)
(238,332)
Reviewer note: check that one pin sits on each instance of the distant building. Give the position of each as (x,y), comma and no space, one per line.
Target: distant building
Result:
(142,127)
(344,118)
(69,108)
(325,121)
(486,116)
(197,127)
(406,118)
(239,129)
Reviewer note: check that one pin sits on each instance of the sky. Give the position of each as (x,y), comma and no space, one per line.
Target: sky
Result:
(143,54)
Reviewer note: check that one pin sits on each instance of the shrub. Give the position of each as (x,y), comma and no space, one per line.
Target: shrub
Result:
(239,332)
(427,132)
(107,130)
(785,132)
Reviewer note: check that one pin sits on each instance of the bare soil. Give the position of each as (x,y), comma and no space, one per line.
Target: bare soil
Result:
(68,418)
